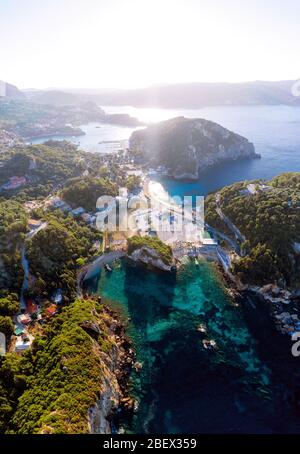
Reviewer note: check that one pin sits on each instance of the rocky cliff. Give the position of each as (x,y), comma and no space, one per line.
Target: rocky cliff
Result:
(186,147)
(77,373)
(150,257)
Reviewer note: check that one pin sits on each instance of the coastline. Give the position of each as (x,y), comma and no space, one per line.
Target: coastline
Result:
(75,133)
(118,363)
(279,303)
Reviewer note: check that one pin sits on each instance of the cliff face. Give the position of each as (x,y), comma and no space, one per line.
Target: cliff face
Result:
(149,257)
(115,369)
(188,146)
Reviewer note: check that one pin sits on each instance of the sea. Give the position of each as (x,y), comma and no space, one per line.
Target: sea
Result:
(248,383)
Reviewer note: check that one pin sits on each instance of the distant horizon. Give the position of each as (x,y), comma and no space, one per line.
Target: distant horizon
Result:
(158,85)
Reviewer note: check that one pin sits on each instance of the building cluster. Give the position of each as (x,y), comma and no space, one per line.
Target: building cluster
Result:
(79,212)
(14,182)
(32,314)
(254,188)
(8,140)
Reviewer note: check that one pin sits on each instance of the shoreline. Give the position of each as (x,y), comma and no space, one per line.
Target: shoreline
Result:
(115,398)
(54,134)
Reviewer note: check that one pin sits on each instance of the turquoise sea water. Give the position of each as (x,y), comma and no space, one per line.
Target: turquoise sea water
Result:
(183,387)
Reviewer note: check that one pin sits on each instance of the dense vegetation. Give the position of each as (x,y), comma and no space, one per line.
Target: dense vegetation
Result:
(44,166)
(270,221)
(30,119)
(9,304)
(56,252)
(13,228)
(164,251)
(51,387)
(85,192)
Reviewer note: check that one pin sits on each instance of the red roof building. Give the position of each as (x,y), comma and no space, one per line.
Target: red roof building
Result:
(31,307)
(51,310)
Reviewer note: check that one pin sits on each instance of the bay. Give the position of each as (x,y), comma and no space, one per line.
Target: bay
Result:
(241,387)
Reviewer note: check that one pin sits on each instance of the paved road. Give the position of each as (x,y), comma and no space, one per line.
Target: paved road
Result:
(227,221)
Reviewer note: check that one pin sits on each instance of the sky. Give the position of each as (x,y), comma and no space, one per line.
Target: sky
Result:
(137,43)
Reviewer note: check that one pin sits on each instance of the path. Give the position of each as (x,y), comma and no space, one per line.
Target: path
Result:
(25,263)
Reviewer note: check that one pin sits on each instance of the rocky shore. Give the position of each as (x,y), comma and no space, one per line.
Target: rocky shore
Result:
(282,305)
(150,258)
(117,366)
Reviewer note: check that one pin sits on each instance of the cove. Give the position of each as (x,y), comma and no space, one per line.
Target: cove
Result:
(242,387)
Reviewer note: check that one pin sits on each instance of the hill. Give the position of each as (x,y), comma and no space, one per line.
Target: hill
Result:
(197,95)
(186,146)
(269,219)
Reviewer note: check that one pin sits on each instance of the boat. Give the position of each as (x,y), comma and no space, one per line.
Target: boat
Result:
(196,262)
(202,328)
(209,344)
(108,268)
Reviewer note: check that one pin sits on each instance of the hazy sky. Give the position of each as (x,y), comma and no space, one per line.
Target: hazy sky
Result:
(134,43)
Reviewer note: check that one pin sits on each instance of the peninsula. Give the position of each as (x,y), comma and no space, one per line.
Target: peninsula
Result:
(184,147)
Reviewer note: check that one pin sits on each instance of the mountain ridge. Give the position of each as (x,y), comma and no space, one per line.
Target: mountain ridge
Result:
(195,95)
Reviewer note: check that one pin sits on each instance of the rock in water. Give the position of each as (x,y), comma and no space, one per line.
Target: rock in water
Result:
(186,147)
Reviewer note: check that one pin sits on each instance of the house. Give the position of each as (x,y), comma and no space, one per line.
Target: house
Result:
(265,188)
(252,189)
(65,207)
(14,183)
(56,202)
(86,217)
(31,307)
(208,240)
(23,342)
(78,211)
(51,310)
(24,318)
(19,329)
(34,224)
